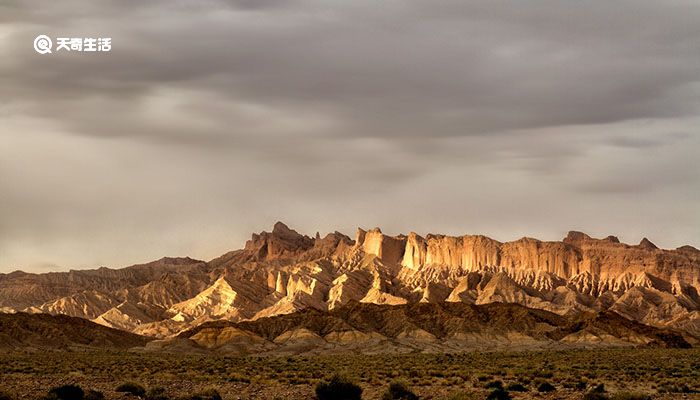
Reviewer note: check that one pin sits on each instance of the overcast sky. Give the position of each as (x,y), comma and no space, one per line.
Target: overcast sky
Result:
(209,120)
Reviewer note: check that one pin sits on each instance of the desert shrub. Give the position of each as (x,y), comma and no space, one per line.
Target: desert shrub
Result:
(156,393)
(499,394)
(516,387)
(545,387)
(338,388)
(399,391)
(131,388)
(206,394)
(66,392)
(597,393)
(630,396)
(93,395)
(494,385)
(5,396)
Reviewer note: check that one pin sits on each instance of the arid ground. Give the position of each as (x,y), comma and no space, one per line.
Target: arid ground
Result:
(659,373)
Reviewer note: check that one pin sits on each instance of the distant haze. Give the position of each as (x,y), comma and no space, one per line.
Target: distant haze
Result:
(211,120)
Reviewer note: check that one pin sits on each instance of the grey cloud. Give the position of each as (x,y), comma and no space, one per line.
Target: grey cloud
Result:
(390,71)
(642,142)
(221,116)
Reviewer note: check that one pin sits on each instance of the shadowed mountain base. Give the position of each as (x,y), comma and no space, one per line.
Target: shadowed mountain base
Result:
(424,327)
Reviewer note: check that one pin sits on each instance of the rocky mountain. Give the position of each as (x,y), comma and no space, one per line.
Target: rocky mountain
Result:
(426,327)
(282,272)
(43,331)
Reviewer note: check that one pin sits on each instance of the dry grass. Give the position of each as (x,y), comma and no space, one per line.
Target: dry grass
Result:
(432,376)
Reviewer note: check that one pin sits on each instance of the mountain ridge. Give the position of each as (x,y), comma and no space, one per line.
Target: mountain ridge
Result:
(431,327)
(283,271)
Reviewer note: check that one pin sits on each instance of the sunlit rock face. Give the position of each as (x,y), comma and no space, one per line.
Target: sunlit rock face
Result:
(282,242)
(283,271)
(388,249)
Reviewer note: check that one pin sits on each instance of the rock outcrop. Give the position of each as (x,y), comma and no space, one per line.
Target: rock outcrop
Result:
(282,242)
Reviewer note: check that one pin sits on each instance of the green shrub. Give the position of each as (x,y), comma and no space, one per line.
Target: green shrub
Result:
(156,393)
(516,387)
(131,388)
(499,394)
(66,392)
(399,391)
(545,387)
(338,388)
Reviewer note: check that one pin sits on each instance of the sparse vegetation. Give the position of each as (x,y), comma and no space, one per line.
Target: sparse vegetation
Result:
(576,374)
(462,395)
(671,388)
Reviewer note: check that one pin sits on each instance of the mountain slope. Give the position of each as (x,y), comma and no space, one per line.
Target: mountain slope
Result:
(43,331)
(282,271)
(419,327)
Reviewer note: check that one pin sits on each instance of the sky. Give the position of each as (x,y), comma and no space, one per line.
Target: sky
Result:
(210,120)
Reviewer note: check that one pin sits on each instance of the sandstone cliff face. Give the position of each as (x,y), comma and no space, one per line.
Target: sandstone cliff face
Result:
(386,248)
(593,266)
(465,253)
(282,271)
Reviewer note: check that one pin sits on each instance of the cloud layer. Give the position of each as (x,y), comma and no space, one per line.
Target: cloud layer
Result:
(208,121)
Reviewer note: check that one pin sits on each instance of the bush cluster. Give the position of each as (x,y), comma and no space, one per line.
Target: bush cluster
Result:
(65,392)
(131,388)
(158,393)
(399,391)
(338,388)
(499,394)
